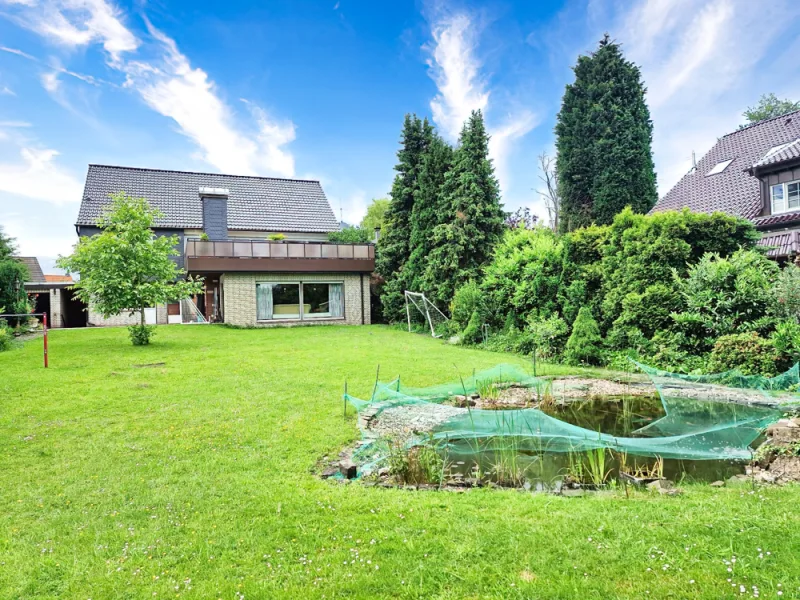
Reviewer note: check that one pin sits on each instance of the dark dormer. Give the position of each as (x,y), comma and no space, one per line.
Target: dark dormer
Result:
(215,212)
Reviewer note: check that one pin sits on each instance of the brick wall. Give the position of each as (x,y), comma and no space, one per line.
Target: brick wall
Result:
(239,297)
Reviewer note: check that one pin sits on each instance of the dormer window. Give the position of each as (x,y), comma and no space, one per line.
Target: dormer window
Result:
(719,167)
(785,197)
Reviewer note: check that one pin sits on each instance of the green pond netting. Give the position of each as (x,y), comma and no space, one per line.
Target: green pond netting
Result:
(708,417)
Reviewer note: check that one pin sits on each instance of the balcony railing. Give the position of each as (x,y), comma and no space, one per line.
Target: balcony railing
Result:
(196,248)
(254,255)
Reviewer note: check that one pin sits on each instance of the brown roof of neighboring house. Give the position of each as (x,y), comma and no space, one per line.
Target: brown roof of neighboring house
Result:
(784,243)
(734,190)
(35,274)
(59,279)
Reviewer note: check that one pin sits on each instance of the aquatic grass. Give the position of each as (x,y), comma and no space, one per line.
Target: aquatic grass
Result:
(596,466)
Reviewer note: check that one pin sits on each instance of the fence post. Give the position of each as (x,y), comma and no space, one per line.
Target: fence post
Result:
(44,324)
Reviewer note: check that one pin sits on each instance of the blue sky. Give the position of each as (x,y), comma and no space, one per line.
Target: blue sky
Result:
(319,89)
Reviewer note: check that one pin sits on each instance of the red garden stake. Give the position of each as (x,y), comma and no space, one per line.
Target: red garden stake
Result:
(44,323)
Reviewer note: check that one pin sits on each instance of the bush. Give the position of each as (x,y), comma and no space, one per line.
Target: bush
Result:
(787,293)
(472,333)
(350,235)
(748,352)
(786,341)
(6,339)
(546,335)
(467,299)
(584,345)
(525,274)
(724,296)
(140,334)
(645,250)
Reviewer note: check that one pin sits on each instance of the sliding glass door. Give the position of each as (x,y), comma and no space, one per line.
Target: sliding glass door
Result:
(299,301)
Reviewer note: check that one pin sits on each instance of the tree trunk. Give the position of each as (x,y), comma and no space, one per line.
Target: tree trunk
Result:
(141,314)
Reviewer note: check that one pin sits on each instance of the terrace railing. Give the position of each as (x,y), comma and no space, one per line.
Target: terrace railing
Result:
(234,248)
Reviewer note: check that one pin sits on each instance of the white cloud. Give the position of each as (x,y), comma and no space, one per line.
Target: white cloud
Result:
(14,124)
(456,72)
(50,81)
(168,84)
(173,88)
(76,23)
(38,176)
(462,88)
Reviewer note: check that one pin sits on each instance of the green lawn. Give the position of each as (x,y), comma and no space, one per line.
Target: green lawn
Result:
(196,479)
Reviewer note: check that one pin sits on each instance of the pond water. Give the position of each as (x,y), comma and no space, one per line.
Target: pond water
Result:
(509,461)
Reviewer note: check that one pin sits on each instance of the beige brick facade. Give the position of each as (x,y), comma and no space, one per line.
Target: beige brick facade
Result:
(239,297)
(124,318)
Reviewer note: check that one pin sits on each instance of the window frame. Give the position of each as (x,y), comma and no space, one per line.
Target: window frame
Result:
(303,316)
(784,197)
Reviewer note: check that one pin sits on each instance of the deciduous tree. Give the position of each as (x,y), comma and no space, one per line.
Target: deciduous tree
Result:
(127,267)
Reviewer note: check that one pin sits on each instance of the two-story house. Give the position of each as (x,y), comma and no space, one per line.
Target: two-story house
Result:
(227,227)
(754,173)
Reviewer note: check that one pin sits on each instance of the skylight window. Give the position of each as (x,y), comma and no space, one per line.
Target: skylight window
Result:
(719,167)
(778,148)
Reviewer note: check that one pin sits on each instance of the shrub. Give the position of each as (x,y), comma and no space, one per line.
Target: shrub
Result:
(350,235)
(787,293)
(140,334)
(645,250)
(547,335)
(786,341)
(472,333)
(724,296)
(277,237)
(584,344)
(6,338)
(748,352)
(467,299)
(525,274)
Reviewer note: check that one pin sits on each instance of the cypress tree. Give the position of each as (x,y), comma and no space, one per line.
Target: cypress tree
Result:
(604,134)
(394,248)
(473,217)
(430,210)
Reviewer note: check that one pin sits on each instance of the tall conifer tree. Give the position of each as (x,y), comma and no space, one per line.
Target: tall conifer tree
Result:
(604,134)
(430,210)
(473,221)
(394,248)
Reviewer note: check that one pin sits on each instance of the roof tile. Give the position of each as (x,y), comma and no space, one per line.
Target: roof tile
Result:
(734,190)
(257,203)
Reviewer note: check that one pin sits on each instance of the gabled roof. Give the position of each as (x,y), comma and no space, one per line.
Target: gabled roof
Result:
(787,152)
(254,203)
(734,190)
(35,274)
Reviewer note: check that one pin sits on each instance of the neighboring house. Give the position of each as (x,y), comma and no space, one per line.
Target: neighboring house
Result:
(52,295)
(752,173)
(223,224)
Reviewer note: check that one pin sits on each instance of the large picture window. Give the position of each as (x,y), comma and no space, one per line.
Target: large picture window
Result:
(785,197)
(303,300)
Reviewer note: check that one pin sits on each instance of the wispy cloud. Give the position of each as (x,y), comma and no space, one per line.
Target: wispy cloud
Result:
(167,83)
(462,87)
(77,23)
(703,62)
(37,175)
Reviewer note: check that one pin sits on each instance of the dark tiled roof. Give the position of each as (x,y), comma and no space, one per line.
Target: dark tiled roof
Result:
(35,274)
(733,191)
(784,243)
(257,203)
(779,219)
(791,152)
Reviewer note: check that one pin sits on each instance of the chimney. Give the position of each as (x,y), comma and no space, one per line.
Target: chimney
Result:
(377,235)
(215,212)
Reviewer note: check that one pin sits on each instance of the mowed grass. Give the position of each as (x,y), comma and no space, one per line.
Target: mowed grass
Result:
(196,479)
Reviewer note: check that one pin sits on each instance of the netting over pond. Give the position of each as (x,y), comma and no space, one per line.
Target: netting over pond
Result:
(710,417)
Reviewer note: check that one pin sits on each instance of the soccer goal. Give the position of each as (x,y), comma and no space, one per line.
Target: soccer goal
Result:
(432,315)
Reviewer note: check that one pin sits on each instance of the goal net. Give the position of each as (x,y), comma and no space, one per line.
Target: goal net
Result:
(433,318)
